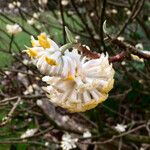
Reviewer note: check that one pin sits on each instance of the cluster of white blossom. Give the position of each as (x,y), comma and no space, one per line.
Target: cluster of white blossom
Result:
(33,19)
(68,142)
(42,2)
(120,127)
(65,2)
(74,82)
(29,133)
(13,29)
(14,4)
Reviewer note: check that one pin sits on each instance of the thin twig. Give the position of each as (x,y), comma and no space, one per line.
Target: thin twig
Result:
(9,116)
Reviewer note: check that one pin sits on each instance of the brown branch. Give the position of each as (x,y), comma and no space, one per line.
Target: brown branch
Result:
(126,135)
(9,116)
(141,3)
(145,28)
(130,49)
(23,97)
(118,4)
(86,52)
(94,55)
(118,57)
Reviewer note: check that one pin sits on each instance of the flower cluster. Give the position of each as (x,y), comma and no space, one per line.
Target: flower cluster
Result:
(74,82)
(14,4)
(68,142)
(29,133)
(13,29)
(42,2)
(120,127)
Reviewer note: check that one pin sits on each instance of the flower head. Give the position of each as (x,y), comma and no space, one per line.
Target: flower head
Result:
(120,127)
(139,46)
(31,21)
(74,82)
(68,142)
(87,134)
(13,29)
(42,2)
(36,15)
(90,83)
(17,3)
(11,6)
(65,2)
(29,133)
(50,60)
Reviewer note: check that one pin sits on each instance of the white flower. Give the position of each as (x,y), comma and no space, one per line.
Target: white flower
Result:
(128,12)
(31,21)
(92,14)
(26,61)
(46,144)
(29,119)
(123,63)
(7,72)
(29,133)
(29,90)
(87,134)
(120,127)
(65,2)
(17,3)
(42,2)
(139,46)
(77,37)
(14,5)
(114,11)
(13,29)
(68,142)
(36,15)
(11,6)
(39,102)
(65,118)
(121,38)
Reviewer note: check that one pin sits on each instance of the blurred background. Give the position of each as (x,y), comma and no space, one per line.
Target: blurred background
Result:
(122,122)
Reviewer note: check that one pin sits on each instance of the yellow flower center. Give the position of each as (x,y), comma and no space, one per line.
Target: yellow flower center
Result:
(32,53)
(50,61)
(43,40)
(70,77)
